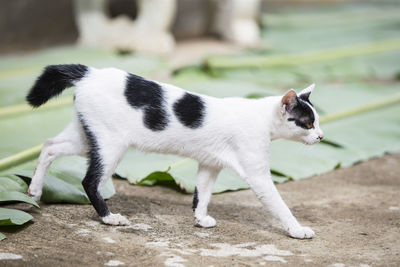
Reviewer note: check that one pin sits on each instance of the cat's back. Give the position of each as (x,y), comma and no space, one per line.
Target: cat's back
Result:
(113,96)
(112,84)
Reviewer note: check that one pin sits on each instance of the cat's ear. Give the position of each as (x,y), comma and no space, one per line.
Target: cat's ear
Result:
(289,101)
(305,93)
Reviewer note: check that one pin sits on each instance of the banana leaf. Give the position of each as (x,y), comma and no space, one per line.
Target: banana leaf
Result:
(16,196)
(10,183)
(377,69)
(151,168)
(41,125)
(13,217)
(13,189)
(329,27)
(63,183)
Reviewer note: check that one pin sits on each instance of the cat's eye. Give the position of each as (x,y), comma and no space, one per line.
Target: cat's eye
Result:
(309,125)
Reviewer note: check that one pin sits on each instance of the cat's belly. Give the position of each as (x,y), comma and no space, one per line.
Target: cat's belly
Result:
(196,146)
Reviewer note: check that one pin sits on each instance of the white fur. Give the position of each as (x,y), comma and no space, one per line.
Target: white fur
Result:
(115,219)
(236,133)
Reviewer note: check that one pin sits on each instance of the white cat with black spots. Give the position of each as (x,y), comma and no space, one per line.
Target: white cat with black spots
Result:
(116,110)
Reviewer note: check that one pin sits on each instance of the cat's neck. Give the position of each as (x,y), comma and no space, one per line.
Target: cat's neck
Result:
(274,114)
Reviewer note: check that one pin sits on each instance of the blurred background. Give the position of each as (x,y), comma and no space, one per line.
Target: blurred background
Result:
(222,48)
(248,48)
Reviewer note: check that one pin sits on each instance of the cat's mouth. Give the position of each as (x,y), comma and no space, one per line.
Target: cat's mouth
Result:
(309,143)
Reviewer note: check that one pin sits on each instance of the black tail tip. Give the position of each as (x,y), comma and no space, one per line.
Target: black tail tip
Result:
(53,80)
(34,100)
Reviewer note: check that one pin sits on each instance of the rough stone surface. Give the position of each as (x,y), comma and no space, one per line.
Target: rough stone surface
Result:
(354,212)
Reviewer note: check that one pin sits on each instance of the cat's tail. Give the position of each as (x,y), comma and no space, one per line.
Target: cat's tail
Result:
(54,79)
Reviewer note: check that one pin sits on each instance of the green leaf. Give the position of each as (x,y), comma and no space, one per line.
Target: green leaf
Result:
(12,183)
(56,190)
(41,124)
(157,178)
(63,183)
(17,196)
(2,236)
(300,59)
(22,183)
(151,168)
(13,217)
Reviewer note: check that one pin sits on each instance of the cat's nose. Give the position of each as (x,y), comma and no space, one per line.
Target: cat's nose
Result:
(320,137)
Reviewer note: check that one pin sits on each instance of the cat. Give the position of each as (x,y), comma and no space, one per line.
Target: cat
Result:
(116,110)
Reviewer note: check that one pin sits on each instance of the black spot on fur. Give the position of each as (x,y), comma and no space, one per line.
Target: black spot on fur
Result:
(195,199)
(94,173)
(302,114)
(148,96)
(54,79)
(190,110)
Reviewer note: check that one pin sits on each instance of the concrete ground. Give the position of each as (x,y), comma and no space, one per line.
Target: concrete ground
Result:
(355,213)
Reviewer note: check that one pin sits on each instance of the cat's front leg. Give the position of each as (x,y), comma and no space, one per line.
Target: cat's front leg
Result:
(266,191)
(205,181)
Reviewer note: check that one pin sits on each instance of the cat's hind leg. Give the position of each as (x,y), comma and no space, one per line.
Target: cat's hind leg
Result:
(104,154)
(70,141)
(206,178)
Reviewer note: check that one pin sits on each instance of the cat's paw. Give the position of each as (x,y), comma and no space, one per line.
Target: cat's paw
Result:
(206,222)
(301,232)
(115,219)
(34,192)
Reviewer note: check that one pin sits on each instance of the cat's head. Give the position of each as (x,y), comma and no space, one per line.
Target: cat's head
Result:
(300,120)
